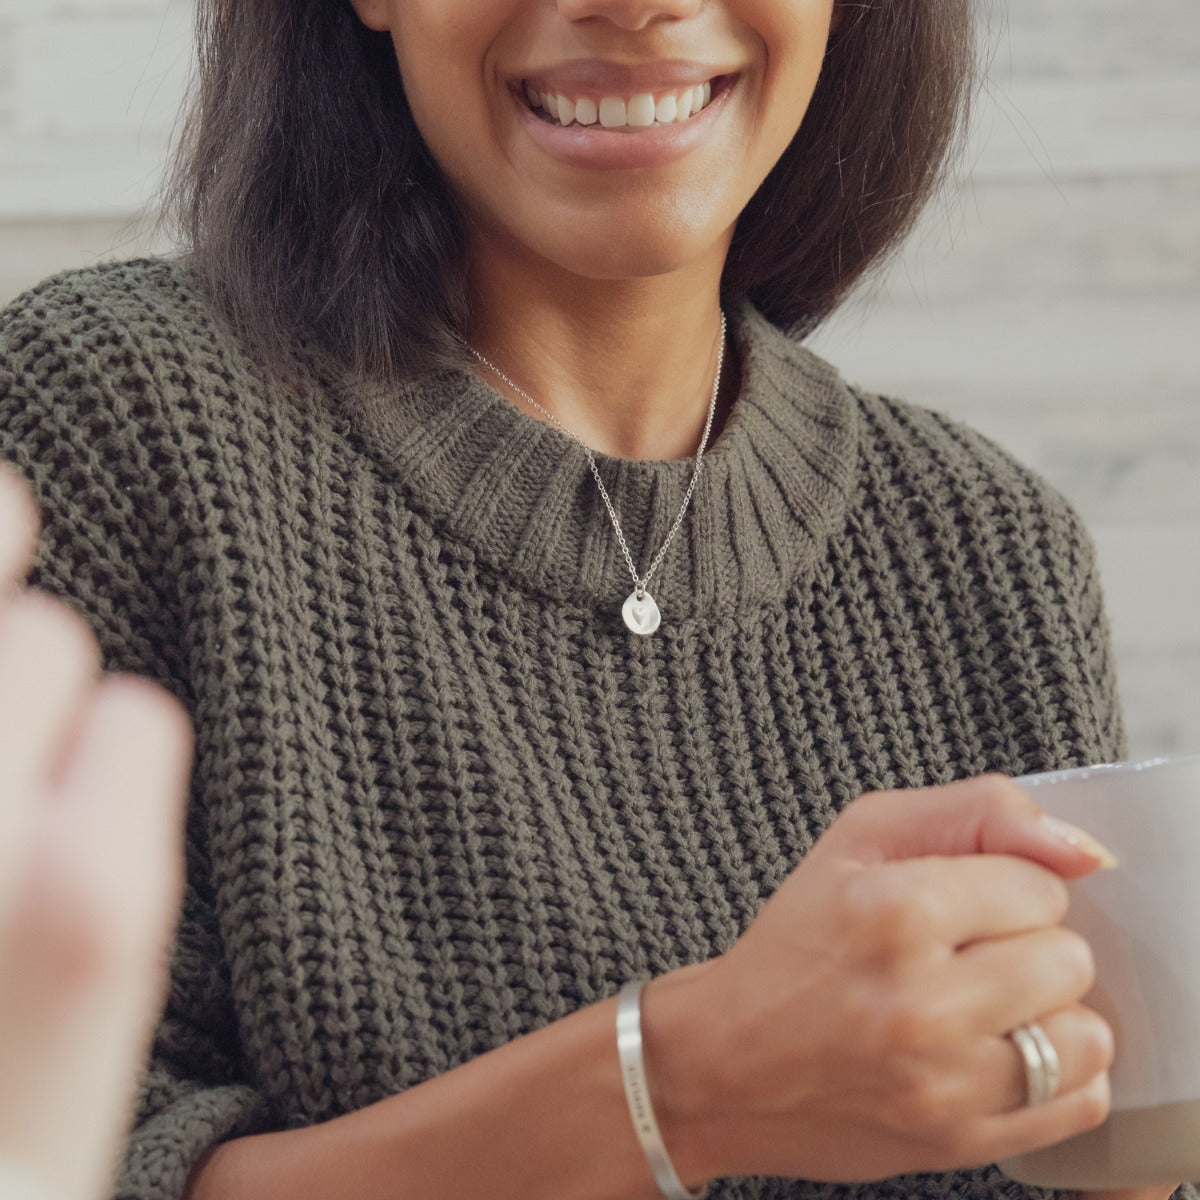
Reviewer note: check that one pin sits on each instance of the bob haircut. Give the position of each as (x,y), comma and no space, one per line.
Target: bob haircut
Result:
(319,224)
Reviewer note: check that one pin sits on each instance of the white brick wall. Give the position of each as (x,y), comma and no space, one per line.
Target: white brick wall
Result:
(1054,302)
(89,91)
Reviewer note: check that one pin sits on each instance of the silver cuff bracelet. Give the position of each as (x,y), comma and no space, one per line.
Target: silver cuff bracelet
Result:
(641,1112)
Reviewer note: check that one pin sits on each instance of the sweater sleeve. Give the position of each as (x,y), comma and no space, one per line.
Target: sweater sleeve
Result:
(193,1094)
(1027,530)
(75,400)
(1089,618)
(1099,656)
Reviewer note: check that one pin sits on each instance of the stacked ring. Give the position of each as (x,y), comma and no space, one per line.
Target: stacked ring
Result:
(1043,1071)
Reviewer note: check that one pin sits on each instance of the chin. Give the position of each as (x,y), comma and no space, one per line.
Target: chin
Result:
(623,257)
(617,267)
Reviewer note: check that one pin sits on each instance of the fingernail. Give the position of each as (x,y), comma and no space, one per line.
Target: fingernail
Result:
(1075,837)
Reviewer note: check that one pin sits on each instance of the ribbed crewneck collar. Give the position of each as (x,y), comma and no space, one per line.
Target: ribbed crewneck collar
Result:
(772,489)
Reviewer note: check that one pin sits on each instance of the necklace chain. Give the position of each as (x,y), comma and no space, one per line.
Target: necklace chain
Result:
(640,582)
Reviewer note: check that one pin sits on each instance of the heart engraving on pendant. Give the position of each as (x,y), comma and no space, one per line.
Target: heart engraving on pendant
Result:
(641,614)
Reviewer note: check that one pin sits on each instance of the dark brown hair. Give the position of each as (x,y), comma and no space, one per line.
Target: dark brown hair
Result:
(318,221)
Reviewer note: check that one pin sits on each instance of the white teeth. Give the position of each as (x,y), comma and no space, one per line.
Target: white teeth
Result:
(618,112)
(640,111)
(613,112)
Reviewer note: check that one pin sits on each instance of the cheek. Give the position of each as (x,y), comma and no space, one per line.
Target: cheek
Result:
(441,56)
(447,113)
(795,55)
(445,60)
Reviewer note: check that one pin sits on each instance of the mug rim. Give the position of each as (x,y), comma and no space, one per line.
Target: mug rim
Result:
(1124,767)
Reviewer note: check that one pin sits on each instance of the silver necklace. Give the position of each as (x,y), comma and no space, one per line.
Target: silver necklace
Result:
(640,610)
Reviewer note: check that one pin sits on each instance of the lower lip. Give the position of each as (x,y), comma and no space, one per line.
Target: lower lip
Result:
(596,148)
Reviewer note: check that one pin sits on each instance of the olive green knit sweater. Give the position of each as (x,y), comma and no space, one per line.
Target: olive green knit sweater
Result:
(442,797)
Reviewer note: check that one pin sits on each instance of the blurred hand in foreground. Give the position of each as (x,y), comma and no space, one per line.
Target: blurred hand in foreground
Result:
(93,775)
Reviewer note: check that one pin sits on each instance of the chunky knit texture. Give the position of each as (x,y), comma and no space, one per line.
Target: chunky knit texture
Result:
(442,797)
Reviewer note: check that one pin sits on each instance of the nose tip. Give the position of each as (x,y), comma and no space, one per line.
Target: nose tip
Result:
(633,15)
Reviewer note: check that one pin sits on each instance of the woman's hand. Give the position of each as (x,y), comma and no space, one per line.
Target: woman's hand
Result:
(858,1028)
(93,772)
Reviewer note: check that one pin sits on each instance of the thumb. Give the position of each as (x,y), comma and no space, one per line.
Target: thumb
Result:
(990,814)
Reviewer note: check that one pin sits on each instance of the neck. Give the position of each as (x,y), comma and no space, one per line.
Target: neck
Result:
(627,366)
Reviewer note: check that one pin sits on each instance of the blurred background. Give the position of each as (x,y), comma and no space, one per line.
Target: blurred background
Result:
(1052,299)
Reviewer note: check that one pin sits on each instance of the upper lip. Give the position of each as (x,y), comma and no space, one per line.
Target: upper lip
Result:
(583,76)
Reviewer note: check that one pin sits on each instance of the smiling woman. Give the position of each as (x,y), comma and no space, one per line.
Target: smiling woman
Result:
(504,879)
(538,194)
(287,233)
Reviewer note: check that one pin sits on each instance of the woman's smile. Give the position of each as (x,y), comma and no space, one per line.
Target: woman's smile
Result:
(639,111)
(607,140)
(592,92)
(620,129)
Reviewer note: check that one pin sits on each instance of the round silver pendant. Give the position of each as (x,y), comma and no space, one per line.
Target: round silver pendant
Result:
(642,616)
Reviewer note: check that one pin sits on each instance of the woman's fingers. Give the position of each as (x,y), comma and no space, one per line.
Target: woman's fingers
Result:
(932,918)
(123,786)
(1028,1128)
(93,774)
(1004,982)
(990,814)
(1082,1040)
(49,662)
(954,901)
(91,931)
(21,664)
(994,1087)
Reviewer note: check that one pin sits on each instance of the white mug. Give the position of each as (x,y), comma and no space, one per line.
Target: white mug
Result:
(1142,920)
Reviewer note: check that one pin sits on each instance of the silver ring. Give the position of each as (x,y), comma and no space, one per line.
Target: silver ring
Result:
(1043,1071)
